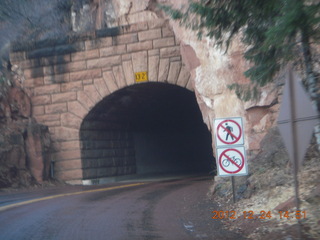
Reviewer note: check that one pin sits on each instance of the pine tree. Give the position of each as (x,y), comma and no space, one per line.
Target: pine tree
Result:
(274,31)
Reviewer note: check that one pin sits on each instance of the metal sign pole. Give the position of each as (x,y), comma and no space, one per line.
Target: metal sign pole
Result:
(233,189)
(295,147)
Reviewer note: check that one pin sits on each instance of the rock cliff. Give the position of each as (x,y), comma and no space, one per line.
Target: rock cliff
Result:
(24,144)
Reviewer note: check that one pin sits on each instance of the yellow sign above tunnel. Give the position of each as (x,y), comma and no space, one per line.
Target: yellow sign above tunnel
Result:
(141,76)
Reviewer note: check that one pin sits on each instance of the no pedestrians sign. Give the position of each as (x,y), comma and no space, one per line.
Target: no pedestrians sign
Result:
(228,132)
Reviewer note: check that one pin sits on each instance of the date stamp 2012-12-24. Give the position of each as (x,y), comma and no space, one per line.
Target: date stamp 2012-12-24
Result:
(259,215)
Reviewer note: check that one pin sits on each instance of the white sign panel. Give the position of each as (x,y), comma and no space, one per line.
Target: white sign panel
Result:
(231,161)
(228,131)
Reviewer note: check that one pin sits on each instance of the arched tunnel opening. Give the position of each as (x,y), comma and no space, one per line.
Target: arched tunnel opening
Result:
(148,128)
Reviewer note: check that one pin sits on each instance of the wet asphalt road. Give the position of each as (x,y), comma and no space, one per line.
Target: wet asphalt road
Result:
(171,209)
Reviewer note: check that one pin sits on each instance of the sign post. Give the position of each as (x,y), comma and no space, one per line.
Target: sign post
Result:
(296,121)
(230,150)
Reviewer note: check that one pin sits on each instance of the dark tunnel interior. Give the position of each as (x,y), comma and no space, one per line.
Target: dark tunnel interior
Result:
(146,128)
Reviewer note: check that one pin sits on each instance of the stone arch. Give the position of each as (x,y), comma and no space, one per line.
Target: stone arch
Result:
(109,139)
(69,163)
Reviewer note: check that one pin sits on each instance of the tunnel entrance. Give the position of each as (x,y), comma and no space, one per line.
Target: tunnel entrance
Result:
(145,129)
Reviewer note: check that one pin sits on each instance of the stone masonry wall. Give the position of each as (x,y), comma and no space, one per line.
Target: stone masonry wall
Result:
(107,153)
(68,77)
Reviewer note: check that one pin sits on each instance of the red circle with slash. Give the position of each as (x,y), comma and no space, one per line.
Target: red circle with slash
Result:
(236,138)
(224,155)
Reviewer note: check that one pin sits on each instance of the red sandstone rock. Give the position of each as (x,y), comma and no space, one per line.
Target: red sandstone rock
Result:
(24,144)
(20,102)
(287,205)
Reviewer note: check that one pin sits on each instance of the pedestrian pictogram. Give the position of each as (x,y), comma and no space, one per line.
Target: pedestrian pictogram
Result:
(228,132)
(231,161)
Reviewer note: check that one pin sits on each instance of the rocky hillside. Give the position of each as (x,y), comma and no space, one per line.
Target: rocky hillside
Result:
(270,187)
(24,144)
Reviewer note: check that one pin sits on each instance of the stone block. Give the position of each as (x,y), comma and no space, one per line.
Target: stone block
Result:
(125,57)
(84,99)
(69,48)
(183,78)
(56,108)
(98,43)
(63,97)
(48,118)
(175,59)
(87,82)
(167,32)
(49,89)
(119,75)
(77,109)
(52,123)
(55,60)
(41,100)
(38,81)
(41,52)
(163,42)
(163,70)
(67,155)
(56,78)
(139,46)
(90,54)
(65,68)
(104,62)
(29,63)
(101,87)
(33,72)
(157,23)
(37,110)
(149,35)
(66,145)
(128,72)
(110,81)
(92,93)
(71,86)
(108,32)
(87,74)
(70,120)
(66,134)
(153,66)
(153,52)
(67,164)
(69,175)
(28,83)
(114,50)
(125,39)
(170,52)
(174,71)
(135,27)
(140,61)
(17,56)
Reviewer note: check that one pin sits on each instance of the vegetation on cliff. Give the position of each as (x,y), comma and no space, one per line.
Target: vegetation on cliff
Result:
(274,32)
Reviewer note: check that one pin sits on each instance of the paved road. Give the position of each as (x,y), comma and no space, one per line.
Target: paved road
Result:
(172,209)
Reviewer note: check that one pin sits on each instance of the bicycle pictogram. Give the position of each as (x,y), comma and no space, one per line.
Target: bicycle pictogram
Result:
(233,160)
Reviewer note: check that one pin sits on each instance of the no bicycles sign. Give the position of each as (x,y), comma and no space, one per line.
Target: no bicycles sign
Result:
(231,161)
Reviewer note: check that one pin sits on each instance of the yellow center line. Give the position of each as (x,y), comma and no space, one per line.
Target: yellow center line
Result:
(67,194)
